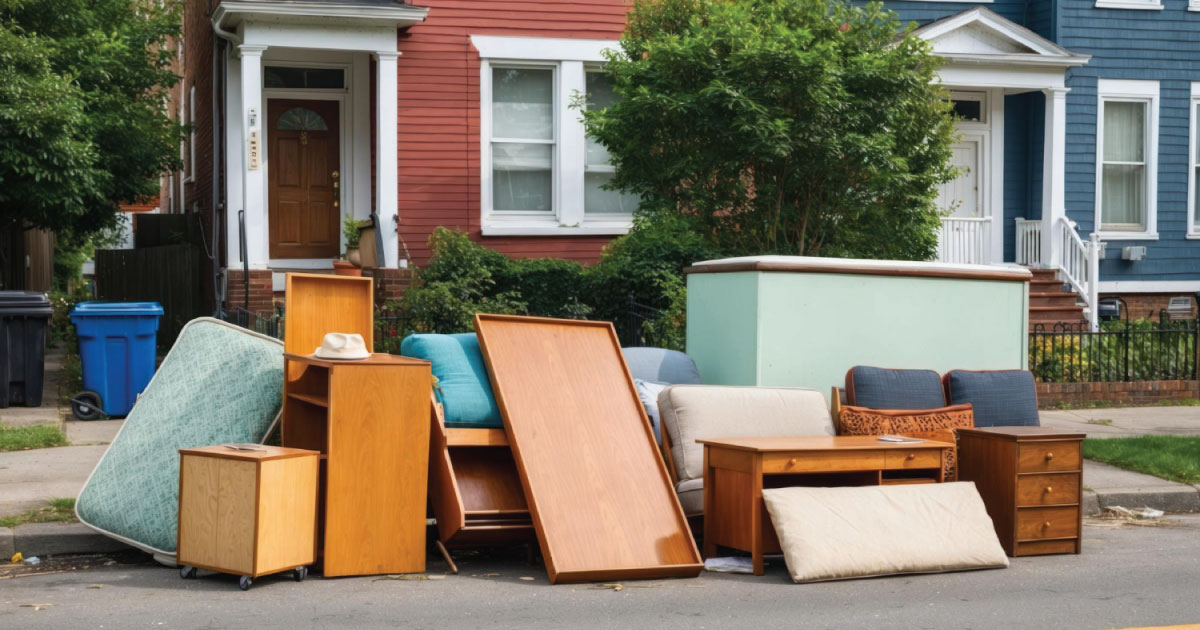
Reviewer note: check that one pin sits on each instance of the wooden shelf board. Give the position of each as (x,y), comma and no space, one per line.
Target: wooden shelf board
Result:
(476,437)
(320,401)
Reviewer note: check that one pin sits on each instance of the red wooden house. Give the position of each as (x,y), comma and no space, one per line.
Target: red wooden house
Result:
(449,113)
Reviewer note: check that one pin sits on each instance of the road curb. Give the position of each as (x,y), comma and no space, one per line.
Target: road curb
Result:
(1181,498)
(53,539)
(6,544)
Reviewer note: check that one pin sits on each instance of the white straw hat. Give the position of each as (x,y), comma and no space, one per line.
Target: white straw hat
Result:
(343,346)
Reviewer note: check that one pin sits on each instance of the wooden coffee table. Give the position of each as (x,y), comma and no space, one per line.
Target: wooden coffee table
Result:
(737,469)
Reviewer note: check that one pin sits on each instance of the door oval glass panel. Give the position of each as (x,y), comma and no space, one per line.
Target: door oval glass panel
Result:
(301,119)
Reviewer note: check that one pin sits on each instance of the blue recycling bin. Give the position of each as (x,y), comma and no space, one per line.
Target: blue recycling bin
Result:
(117,349)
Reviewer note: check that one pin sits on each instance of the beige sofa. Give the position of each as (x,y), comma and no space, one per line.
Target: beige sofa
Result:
(694,412)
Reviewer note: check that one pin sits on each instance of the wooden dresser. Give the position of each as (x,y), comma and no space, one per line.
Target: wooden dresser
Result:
(1031,480)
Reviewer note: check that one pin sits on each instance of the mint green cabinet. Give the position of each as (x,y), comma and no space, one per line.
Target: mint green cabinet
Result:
(802,322)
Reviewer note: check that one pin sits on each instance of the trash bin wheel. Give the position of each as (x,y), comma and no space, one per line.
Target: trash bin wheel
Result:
(245,582)
(86,406)
(299,573)
(187,573)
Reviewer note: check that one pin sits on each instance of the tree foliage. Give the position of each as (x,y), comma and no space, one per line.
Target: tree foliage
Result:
(805,127)
(83,121)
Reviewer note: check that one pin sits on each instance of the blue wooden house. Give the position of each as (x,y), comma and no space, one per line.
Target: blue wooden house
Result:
(1078,144)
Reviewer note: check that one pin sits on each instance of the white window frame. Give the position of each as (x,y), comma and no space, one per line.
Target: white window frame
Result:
(570,59)
(1142,5)
(1136,91)
(1193,217)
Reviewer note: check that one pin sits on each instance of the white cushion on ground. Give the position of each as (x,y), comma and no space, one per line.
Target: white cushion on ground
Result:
(842,533)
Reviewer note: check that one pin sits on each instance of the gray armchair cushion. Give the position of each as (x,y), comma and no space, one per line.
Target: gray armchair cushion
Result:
(660,365)
(1001,398)
(882,388)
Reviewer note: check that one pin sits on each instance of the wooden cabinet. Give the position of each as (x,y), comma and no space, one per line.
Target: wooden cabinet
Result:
(370,421)
(1031,480)
(248,513)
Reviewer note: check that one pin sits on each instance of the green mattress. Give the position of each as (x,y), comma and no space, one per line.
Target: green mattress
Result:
(219,383)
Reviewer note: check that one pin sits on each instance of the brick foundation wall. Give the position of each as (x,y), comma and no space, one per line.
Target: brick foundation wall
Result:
(1135,393)
(262,297)
(389,283)
(1147,305)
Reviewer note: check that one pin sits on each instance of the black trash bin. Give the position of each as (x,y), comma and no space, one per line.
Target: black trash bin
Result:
(23,318)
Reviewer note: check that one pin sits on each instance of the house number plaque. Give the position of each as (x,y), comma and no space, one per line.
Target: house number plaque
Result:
(253,151)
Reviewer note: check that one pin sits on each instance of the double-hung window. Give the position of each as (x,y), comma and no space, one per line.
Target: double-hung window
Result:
(1126,152)
(539,172)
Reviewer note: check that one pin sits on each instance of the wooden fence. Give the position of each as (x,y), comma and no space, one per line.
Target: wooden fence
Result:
(169,275)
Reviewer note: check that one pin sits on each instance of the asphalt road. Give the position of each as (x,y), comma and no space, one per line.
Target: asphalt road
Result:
(1127,576)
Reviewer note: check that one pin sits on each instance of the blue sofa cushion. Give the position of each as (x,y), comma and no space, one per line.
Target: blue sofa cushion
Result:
(464,388)
(882,388)
(1001,398)
(661,366)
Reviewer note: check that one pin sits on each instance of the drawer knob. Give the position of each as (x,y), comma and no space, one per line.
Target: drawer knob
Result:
(1049,488)
(1049,456)
(791,462)
(1046,525)
(911,456)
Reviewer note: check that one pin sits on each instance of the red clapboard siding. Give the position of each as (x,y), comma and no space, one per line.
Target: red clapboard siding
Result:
(438,85)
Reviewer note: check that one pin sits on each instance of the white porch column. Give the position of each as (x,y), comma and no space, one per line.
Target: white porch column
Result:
(1054,159)
(258,251)
(386,159)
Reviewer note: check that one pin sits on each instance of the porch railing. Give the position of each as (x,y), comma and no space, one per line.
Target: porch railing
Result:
(1077,260)
(965,240)
(1029,242)
(1080,264)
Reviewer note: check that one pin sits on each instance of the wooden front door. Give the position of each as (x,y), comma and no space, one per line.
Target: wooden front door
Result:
(303,179)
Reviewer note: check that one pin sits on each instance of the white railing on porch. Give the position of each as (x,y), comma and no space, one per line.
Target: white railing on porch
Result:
(1029,242)
(1077,260)
(965,240)
(1080,264)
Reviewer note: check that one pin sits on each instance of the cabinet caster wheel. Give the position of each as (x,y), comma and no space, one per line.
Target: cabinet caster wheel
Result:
(244,583)
(187,573)
(299,573)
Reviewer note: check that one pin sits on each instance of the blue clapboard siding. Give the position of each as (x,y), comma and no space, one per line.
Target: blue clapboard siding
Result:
(925,12)
(1024,117)
(1132,44)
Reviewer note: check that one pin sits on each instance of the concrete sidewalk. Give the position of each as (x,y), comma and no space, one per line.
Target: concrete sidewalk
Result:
(1125,421)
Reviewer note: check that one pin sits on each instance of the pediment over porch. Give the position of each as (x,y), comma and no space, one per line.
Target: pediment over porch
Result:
(980,36)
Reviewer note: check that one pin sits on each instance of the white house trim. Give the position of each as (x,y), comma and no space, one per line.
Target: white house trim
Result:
(1017,44)
(1193,218)
(1152,5)
(1150,286)
(542,48)
(231,13)
(1130,90)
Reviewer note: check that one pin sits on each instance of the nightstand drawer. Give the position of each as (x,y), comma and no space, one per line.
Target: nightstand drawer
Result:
(1040,523)
(1049,489)
(1048,456)
(923,458)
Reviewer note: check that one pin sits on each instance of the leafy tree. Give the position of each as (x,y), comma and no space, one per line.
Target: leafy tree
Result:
(83,121)
(808,127)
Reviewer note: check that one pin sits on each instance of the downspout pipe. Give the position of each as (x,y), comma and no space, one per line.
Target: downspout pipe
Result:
(218,204)
(233,40)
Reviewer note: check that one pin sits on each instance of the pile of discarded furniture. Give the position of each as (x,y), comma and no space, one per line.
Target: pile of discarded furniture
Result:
(534,430)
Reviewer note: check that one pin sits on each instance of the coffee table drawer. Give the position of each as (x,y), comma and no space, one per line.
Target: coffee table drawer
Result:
(923,458)
(1048,456)
(1051,489)
(823,461)
(1039,523)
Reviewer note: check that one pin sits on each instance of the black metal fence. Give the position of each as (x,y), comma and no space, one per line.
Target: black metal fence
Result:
(1119,351)
(389,329)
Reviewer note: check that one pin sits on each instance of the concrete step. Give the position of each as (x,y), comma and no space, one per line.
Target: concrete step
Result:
(1053,298)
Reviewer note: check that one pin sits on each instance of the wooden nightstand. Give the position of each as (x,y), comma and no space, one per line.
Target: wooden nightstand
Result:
(247,512)
(1031,480)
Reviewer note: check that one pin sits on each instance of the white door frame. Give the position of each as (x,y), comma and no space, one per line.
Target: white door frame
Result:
(990,134)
